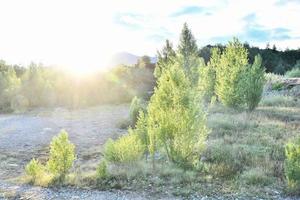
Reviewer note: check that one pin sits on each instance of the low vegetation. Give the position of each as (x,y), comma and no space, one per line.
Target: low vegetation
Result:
(61,160)
(292,167)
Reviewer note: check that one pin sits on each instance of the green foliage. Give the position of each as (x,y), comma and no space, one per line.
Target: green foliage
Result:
(62,155)
(144,62)
(127,149)
(43,86)
(188,54)
(187,43)
(141,129)
(254,83)
(176,122)
(9,86)
(292,165)
(229,78)
(207,77)
(293,73)
(102,171)
(278,86)
(34,169)
(226,160)
(136,106)
(164,58)
(255,176)
(277,100)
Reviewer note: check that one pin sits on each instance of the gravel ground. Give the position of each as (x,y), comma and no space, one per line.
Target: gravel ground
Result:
(38,193)
(24,136)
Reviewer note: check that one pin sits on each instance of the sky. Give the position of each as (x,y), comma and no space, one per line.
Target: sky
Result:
(85,33)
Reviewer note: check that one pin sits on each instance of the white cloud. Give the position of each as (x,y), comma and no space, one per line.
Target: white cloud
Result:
(77,32)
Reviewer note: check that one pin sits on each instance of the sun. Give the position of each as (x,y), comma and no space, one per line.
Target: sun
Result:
(82,66)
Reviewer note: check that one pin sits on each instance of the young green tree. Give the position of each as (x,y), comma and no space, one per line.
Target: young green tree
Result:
(165,57)
(62,155)
(188,51)
(176,122)
(229,74)
(254,83)
(207,78)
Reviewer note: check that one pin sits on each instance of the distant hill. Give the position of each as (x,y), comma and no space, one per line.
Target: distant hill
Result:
(126,58)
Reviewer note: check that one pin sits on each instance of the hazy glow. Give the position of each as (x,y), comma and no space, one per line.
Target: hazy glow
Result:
(83,34)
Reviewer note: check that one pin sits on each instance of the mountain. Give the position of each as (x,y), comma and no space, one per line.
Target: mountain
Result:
(126,58)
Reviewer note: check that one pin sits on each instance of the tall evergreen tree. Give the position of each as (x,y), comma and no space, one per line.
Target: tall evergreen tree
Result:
(188,51)
(187,44)
(165,56)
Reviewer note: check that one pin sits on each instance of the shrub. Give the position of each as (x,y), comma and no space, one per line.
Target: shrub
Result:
(227,160)
(124,124)
(229,74)
(278,100)
(102,171)
(127,149)
(278,86)
(292,165)
(255,176)
(293,73)
(135,107)
(34,169)
(254,83)
(62,155)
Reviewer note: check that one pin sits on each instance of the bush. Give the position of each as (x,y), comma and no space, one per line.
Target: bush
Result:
(293,73)
(102,171)
(62,155)
(255,176)
(34,169)
(277,86)
(254,83)
(126,149)
(227,160)
(135,107)
(292,165)
(278,100)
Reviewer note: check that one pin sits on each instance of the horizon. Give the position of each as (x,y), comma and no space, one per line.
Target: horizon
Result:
(87,34)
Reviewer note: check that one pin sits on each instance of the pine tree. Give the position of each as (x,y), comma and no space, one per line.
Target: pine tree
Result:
(188,50)
(187,44)
(254,83)
(176,122)
(207,77)
(229,74)
(165,57)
